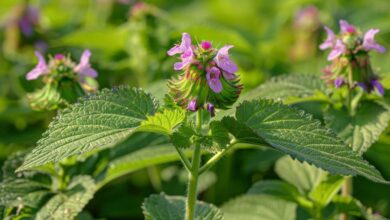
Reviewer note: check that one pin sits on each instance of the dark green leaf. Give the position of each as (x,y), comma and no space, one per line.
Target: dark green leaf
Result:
(219,134)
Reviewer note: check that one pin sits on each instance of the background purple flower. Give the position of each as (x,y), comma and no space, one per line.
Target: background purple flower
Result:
(224,62)
(40,69)
(369,42)
(84,67)
(213,79)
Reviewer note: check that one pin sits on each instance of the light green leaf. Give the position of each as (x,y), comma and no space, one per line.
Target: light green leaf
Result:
(98,121)
(259,207)
(297,134)
(219,134)
(163,122)
(361,130)
(66,206)
(302,175)
(163,207)
(326,190)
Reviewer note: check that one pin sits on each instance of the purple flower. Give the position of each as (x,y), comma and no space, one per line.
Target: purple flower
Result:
(186,59)
(225,63)
(378,86)
(206,45)
(338,49)
(40,69)
(346,27)
(192,105)
(84,67)
(330,40)
(338,82)
(211,109)
(369,41)
(183,47)
(212,76)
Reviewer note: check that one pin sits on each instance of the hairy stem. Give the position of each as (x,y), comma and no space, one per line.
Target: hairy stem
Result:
(217,157)
(184,159)
(194,174)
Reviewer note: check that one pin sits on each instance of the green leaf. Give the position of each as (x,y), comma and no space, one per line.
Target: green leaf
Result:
(241,132)
(219,134)
(163,123)
(302,175)
(297,134)
(67,205)
(181,137)
(326,190)
(98,121)
(163,207)
(361,130)
(259,207)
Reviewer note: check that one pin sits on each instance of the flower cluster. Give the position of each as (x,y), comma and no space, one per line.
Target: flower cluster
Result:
(350,60)
(209,77)
(64,80)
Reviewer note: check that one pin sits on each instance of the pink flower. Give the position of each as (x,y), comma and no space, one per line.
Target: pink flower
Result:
(183,47)
(346,27)
(224,62)
(369,41)
(84,67)
(40,69)
(186,59)
(192,105)
(213,75)
(330,40)
(338,49)
(206,45)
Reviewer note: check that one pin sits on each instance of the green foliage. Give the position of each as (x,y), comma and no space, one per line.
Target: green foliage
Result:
(164,122)
(362,129)
(219,134)
(163,207)
(98,121)
(326,190)
(296,133)
(181,137)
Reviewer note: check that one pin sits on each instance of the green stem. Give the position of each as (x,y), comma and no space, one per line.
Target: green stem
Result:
(346,191)
(194,174)
(184,159)
(217,157)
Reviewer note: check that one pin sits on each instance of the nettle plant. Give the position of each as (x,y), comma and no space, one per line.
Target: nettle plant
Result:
(116,131)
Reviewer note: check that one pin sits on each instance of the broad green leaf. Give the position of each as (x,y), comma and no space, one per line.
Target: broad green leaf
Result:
(219,134)
(259,207)
(361,130)
(302,175)
(241,132)
(98,121)
(163,207)
(163,122)
(297,134)
(67,205)
(181,136)
(326,190)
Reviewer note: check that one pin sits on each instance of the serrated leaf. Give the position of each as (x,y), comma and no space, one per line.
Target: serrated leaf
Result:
(297,134)
(219,134)
(181,136)
(163,122)
(66,206)
(163,207)
(241,132)
(259,207)
(361,130)
(98,121)
(302,175)
(326,190)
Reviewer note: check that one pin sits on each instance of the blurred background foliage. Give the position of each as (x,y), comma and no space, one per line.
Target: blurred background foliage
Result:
(129,40)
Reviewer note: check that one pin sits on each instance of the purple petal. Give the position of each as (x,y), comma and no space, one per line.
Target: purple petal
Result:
(186,59)
(211,109)
(213,76)
(192,105)
(369,42)
(363,86)
(378,86)
(338,49)
(330,40)
(228,75)
(338,82)
(183,47)
(223,61)
(40,69)
(84,67)
(346,27)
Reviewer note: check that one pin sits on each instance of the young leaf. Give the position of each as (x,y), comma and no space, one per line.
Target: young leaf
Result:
(101,120)
(297,134)
(68,205)
(302,175)
(163,207)
(259,207)
(361,130)
(163,123)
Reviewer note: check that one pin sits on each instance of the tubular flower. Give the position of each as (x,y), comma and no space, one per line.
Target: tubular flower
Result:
(64,80)
(208,78)
(350,59)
